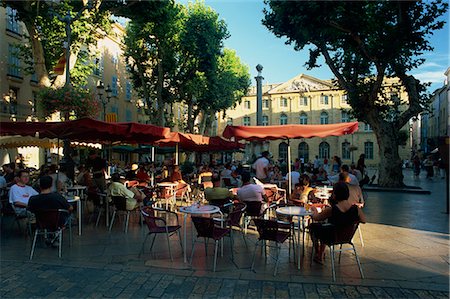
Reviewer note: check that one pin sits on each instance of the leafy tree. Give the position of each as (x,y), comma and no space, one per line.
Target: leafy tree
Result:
(46,35)
(363,43)
(151,52)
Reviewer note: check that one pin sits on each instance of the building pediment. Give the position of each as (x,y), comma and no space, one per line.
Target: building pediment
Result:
(301,83)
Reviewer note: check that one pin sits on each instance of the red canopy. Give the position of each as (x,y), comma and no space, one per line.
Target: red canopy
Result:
(255,133)
(198,143)
(87,130)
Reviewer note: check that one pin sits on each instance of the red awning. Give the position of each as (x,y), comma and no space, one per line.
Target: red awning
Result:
(184,140)
(87,130)
(259,133)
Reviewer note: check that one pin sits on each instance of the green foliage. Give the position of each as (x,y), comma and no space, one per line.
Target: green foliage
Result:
(73,101)
(47,29)
(362,43)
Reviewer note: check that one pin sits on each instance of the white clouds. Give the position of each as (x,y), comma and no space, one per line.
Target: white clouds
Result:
(433,77)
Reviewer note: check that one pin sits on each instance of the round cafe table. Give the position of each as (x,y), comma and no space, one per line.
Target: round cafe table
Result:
(76,200)
(195,210)
(300,213)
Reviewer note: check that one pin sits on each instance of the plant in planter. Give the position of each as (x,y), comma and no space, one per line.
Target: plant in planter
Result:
(71,102)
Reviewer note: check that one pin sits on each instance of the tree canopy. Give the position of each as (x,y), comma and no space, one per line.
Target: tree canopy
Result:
(363,43)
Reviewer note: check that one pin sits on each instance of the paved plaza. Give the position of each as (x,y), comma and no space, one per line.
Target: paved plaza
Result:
(406,255)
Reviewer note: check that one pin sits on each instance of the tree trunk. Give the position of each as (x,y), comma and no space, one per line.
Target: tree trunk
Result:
(38,55)
(190,117)
(390,169)
(159,98)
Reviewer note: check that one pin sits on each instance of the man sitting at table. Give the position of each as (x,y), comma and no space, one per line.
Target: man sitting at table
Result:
(355,193)
(132,195)
(344,169)
(249,191)
(20,193)
(48,200)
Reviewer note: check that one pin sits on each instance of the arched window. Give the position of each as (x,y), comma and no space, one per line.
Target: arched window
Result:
(283,151)
(283,119)
(323,118)
(368,149)
(265,120)
(303,118)
(346,150)
(324,150)
(303,151)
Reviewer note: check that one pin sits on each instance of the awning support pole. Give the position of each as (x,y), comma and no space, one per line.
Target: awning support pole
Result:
(289,168)
(176,154)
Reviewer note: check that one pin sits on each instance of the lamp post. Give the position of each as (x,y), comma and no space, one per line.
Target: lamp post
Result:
(104,101)
(68,20)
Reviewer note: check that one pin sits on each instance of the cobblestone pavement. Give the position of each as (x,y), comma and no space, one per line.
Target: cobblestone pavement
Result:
(26,279)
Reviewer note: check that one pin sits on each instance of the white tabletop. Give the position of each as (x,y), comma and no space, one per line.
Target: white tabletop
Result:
(167,184)
(270,186)
(72,198)
(293,211)
(206,209)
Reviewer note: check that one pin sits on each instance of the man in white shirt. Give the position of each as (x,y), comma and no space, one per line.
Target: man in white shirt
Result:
(316,163)
(250,192)
(20,193)
(295,178)
(261,167)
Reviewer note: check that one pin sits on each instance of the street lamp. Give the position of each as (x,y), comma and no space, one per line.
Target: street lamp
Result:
(68,20)
(100,90)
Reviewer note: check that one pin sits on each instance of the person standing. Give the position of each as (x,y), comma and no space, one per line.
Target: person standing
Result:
(316,163)
(98,166)
(428,164)
(360,165)
(261,167)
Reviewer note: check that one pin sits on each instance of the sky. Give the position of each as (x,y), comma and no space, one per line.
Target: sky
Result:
(254,44)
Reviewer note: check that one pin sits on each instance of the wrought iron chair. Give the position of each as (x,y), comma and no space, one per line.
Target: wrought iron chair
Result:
(207,229)
(274,231)
(51,222)
(150,218)
(120,206)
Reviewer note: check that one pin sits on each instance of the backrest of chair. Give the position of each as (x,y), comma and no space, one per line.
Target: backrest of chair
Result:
(204,226)
(234,217)
(253,208)
(344,234)
(48,219)
(227,182)
(267,229)
(120,202)
(149,217)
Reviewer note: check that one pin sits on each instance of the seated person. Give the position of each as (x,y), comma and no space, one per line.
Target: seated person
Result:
(276,175)
(341,213)
(249,191)
(20,192)
(9,175)
(177,177)
(205,177)
(303,193)
(142,175)
(218,196)
(355,193)
(295,177)
(132,195)
(344,169)
(131,174)
(48,200)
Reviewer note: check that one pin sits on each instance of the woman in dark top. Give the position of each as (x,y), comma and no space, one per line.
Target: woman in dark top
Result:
(341,213)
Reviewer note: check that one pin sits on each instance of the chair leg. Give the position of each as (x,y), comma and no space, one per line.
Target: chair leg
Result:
(359,263)
(243,237)
(254,254)
(181,243)
(168,244)
(340,253)
(216,248)
(127,221)
(34,244)
(206,247)
(232,245)
(333,271)
(153,242)
(143,245)
(360,236)
(98,217)
(60,234)
(112,220)
(278,259)
(193,248)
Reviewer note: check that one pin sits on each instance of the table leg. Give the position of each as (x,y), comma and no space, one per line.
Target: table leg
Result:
(298,243)
(184,237)
(79,216)
(107,211)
